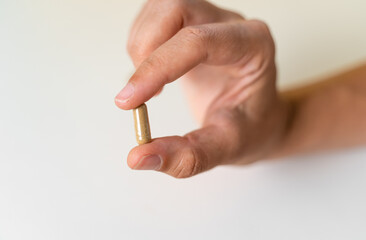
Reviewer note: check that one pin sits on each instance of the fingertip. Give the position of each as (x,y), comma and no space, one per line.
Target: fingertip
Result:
(127,105)
(133,158)
(147,156)
(121,104)
(137,91)
(124,97)
(171,155)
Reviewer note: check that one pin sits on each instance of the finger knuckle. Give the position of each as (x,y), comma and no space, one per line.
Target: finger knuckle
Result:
(262,28)
(153,62)
(264,36)
(195,34)
(261,25)
(189,165)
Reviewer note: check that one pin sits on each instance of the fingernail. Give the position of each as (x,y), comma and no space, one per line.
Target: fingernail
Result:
(151,162)
(126,93)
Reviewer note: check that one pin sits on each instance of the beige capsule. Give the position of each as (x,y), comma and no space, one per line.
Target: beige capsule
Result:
(142,125)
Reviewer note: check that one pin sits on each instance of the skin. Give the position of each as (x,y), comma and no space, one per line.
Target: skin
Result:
(329,114)
(229,75)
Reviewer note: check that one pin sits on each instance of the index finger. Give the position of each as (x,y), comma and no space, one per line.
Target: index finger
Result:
(217,44)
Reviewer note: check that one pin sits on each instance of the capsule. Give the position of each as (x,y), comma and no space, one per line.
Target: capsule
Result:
(142,125)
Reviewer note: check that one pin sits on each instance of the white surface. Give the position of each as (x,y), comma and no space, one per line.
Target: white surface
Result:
(63,143)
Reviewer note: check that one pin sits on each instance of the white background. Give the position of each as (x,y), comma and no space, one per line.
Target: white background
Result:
(63,143)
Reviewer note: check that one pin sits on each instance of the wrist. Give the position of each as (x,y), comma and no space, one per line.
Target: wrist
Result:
(288,109)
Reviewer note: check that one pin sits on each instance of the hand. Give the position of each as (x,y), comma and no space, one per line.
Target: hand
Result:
(229,74)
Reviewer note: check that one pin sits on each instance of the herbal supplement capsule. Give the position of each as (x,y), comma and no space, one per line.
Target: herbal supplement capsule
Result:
(142,125)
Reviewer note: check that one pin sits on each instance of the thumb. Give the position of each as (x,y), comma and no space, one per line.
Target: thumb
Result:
(181,157)
(167,63)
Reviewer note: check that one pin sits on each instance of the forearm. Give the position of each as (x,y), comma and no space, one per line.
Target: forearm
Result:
(328,115)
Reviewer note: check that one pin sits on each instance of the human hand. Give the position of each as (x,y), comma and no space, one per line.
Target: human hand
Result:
(229,74)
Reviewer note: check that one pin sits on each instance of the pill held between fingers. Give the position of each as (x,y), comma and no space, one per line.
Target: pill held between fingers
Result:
(142,125)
